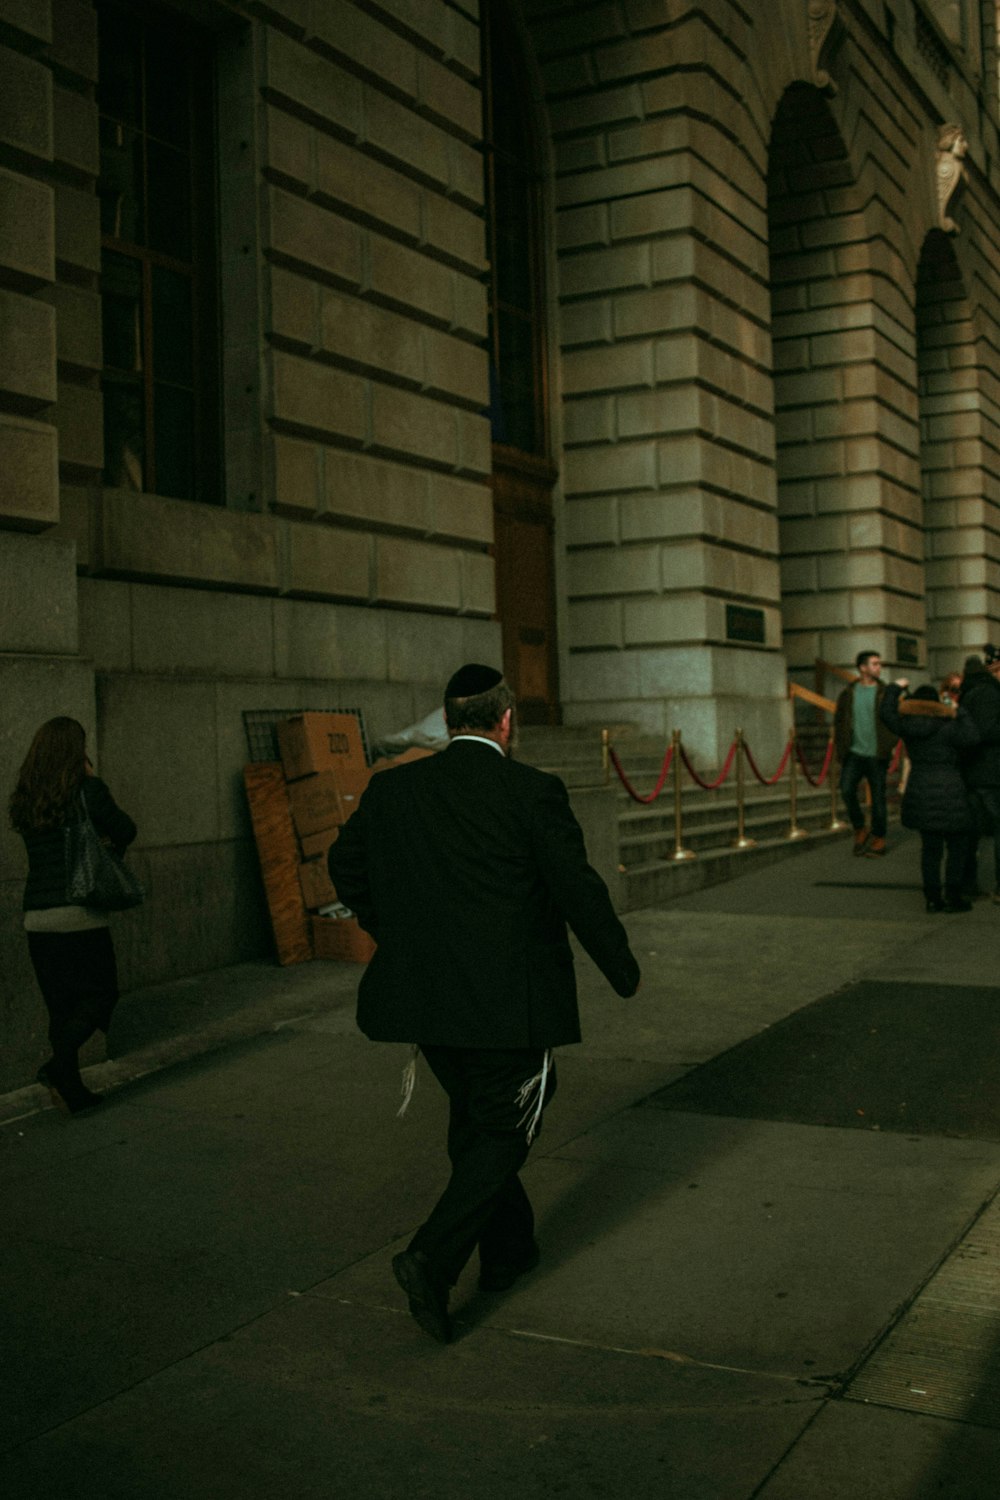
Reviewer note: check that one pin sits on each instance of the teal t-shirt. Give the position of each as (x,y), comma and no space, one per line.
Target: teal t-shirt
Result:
(864,740)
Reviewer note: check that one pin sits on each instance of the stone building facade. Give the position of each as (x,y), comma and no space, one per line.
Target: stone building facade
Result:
(307,437)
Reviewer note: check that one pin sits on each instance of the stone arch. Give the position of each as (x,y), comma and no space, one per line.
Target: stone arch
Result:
(958,461)
(845,403)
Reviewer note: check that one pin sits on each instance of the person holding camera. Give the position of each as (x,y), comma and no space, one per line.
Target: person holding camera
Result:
(980,698)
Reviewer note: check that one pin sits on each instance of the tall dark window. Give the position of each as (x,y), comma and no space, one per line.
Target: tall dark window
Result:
(160,380)
(513,209)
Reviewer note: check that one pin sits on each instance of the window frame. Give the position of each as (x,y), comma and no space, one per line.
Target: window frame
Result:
(200,270)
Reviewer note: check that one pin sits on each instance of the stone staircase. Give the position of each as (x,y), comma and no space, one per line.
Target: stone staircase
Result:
(647,875)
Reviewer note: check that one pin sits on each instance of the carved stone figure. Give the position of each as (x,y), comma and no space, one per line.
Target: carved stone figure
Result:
(950,173)
(823,23)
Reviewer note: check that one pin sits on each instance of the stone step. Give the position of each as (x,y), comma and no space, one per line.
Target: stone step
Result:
(655,882)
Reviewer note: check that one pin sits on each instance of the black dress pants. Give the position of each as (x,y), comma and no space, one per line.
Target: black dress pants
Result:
(78,978)
(932,847)
(484,1202)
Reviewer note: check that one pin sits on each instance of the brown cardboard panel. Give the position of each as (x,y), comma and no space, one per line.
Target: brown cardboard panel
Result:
(316,803)
(317,887)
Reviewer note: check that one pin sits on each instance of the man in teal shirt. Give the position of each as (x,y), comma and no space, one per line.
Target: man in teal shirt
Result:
(864,745)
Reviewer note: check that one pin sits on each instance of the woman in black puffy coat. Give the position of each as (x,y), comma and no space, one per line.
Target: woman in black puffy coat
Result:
(70,945)
(935,801)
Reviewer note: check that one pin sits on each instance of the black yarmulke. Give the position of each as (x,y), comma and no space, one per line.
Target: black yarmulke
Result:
(471,680)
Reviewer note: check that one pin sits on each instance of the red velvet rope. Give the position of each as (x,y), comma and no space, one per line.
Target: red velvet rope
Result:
(819,780)
(709,786)
(768,780)
(658,788)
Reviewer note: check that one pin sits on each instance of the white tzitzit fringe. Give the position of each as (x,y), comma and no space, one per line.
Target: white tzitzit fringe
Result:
(533,1109)
(409,1082)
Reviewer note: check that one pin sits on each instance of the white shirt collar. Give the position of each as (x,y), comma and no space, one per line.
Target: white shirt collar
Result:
(479,739)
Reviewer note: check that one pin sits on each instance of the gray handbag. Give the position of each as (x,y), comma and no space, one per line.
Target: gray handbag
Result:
(95,875)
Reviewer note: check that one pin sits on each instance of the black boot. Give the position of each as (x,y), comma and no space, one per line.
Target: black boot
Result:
(955,901)
(61,1076)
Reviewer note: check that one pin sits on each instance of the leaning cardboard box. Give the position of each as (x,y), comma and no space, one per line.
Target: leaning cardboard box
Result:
(343,938)
(321,804)
(317,887)
(320,742)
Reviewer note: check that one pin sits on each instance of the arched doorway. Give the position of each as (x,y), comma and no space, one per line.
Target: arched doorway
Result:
(847,442)
(523,473)
(958,570)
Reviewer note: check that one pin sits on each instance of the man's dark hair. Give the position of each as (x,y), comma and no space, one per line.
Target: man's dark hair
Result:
(480,711)
(927,692)
(863,656)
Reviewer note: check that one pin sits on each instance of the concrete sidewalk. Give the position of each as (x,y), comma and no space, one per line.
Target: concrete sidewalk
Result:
(200,1301)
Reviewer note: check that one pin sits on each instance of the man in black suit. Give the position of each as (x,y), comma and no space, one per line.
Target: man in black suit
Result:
(465,868)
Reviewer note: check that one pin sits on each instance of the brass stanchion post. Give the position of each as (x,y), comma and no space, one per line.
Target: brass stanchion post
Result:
(794,831)
(680,853)
(836,822)
(741,841)
(606,755)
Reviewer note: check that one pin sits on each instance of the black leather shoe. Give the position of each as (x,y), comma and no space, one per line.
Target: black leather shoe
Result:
(502,1274)
(428,1298)
(957,903)
(934,904)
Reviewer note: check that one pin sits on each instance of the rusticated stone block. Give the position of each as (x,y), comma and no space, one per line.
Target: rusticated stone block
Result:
(296,474)
(365,488)
(374,336)
(316,396)
(77,325)
(288,145)
(417,573)
(28,345)
(416,426)
(295,307)
(313,236)
(75,132)
(25,105)
(27,229)
(310,84)
(405,278)
(74,37)
(32,18)
(29,494)
(78,228)
(368,43)
(461,509)
(151,537)
(79,418)
(367,186)
(326,562)
(38,589)
(402,136)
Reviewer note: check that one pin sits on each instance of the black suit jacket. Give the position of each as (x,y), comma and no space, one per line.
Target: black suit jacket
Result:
(465,868)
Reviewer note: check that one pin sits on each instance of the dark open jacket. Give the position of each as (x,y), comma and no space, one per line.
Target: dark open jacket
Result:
(935,800)
(466,868)
(980,698)
(843,724)
(46,883)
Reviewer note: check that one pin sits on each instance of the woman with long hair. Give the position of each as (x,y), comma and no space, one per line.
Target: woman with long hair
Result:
(936,803)
(70,945)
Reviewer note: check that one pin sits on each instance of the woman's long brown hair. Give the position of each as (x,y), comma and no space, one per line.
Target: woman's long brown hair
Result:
(51,776)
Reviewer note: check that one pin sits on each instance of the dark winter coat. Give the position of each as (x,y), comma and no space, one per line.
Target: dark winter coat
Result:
(980,698)
(466,868)
(935,800)
(46,884)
